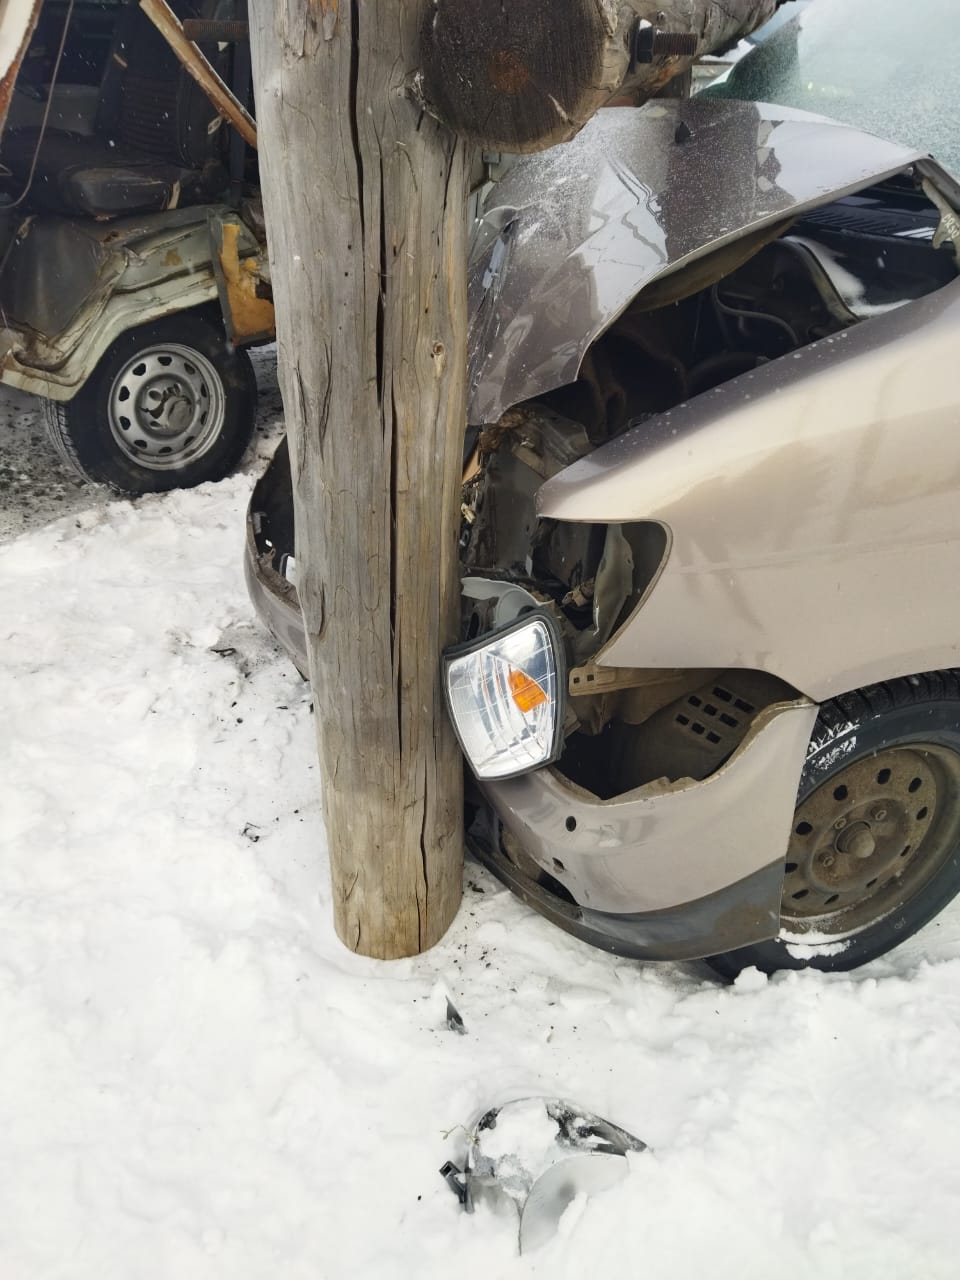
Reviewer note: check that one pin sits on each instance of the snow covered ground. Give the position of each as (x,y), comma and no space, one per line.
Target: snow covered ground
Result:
(197,1081)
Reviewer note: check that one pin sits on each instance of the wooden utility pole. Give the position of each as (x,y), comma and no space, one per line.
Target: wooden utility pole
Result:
(365,202)
(366,206)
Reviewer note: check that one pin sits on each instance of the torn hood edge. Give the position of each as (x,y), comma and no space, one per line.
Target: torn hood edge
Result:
(577,232)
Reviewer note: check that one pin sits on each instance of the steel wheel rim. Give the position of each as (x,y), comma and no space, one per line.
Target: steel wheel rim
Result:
(870,838)
(166,407)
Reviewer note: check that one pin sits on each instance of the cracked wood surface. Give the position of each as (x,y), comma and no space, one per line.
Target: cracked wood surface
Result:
(365,201)
(524,75)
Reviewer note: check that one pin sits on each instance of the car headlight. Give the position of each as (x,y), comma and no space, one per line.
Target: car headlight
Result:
(504,696)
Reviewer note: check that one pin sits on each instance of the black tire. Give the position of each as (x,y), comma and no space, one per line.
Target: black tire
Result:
(192,381)
(915,719)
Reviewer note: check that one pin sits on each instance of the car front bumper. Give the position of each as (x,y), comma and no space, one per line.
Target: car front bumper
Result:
(669,871)
(276,604)
(707,926)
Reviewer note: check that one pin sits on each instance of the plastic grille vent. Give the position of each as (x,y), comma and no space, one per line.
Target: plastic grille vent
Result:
(716,716)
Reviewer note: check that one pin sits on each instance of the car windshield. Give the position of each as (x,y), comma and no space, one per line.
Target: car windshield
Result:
(877,64)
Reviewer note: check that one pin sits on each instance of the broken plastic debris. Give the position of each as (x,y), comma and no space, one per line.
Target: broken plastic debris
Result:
(541,1153)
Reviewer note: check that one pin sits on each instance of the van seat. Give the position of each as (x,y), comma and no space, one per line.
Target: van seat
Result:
(88,176)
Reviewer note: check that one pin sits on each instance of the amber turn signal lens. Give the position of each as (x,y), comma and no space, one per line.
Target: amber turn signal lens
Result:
(525,691)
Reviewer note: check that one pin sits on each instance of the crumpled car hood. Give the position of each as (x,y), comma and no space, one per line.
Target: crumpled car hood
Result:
(578,231)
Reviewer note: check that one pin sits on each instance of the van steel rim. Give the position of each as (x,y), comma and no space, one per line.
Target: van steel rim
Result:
(166,407)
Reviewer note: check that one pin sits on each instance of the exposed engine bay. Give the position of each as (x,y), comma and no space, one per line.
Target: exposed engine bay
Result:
(752,302)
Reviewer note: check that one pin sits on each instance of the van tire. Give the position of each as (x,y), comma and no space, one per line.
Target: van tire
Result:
(170,405)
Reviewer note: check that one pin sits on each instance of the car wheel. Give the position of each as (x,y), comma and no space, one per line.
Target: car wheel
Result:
(874,852)
(170,405)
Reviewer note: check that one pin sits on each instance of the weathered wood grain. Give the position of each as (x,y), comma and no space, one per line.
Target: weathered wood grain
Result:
(522,75)
(365,201)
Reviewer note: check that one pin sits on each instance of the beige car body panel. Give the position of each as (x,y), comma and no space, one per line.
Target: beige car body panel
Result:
(812,510)
(617,856)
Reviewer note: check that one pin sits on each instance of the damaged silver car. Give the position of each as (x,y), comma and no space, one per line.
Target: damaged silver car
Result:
(710,536)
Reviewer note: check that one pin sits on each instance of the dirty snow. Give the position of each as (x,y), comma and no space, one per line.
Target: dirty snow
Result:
(198,1081)
(804,946)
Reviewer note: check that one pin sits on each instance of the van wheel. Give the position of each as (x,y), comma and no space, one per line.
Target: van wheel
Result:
(874,853)
(169,406)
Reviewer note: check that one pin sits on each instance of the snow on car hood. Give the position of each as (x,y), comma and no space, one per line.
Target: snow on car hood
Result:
(576,232)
